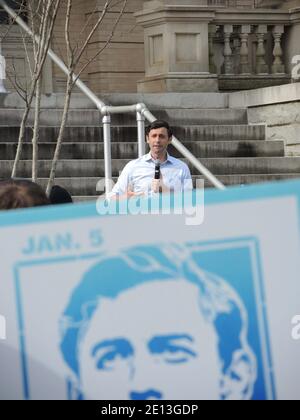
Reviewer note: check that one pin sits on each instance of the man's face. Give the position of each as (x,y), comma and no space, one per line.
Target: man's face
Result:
(151,342)
(158,140)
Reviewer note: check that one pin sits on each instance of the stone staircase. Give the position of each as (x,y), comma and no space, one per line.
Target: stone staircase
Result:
(233,150)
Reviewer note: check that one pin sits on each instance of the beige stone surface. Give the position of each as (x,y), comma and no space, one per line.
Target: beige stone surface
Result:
(173,82)
(277,115)
(283,123)
(122,64)
(265,96)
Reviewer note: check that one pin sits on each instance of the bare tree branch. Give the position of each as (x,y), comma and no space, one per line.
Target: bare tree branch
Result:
(35,136)
(74,57)
(70,54)
(93,30)
(107,41)
(11,24)
(44,41)
(42,18)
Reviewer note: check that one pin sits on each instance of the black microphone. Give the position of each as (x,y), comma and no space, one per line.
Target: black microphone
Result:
(157,170)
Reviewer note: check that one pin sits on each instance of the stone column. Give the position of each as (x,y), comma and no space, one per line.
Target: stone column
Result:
(292,51)
(278,66)
(212,29)
(176,46)
(244,51)
(228,58)
(261,65)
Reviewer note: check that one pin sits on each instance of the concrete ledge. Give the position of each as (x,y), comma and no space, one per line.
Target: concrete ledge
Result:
(170,100)
(154,101)
(240,83)
(265,96)
(179,82)
(278,108)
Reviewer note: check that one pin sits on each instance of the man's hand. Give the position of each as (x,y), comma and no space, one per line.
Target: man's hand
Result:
(133,194)
(126,196)
(158,186)
(155,186)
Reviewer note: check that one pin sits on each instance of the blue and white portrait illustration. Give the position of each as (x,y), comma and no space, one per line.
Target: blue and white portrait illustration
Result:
(151,323)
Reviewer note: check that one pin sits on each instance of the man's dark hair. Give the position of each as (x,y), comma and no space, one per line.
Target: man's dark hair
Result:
(15,194)
(159,124)
(59,195)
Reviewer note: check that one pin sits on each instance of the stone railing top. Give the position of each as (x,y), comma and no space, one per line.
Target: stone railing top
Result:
(159,3)
(157,10)
(295,15)
(252,16)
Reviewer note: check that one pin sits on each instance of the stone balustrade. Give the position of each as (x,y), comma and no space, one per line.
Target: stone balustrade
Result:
(193,47)
(248,55)
(213,3)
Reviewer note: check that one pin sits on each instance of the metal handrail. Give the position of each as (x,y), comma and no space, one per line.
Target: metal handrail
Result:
(141,110)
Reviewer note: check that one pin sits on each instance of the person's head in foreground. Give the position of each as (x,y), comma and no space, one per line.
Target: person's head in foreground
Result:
(149,323)
(60,195)
(15,194)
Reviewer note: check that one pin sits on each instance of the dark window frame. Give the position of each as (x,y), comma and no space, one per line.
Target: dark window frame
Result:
(5,19)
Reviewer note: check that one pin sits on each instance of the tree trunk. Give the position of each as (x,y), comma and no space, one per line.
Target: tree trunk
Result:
(61,133)
(36,128)
(20,140)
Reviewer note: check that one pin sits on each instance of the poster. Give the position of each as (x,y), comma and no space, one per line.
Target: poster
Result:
(136,306)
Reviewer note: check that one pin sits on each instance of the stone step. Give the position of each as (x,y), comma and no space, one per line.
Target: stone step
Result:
(86,186)
(92,117)
(129,134)
(160,100)
(213,149)
(218,166)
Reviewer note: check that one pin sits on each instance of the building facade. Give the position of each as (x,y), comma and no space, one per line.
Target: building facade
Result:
(172,45)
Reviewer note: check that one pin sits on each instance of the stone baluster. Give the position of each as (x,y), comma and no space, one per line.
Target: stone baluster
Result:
(244,51)
(261,65)
(236,49)
(228,58)
(212,29)
(278,66)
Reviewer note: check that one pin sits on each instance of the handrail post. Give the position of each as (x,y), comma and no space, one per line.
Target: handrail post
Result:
(141,133)
(106,120)
(2,71)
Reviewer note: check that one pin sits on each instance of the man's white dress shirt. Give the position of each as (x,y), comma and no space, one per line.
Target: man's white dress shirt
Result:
(137,176)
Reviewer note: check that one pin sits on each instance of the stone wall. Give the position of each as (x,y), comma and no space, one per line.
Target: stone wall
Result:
(121,64)
(289,4)
(283,123)
(18,70)
(278,108)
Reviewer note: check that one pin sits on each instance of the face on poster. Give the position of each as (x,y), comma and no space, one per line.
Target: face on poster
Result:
(146,307)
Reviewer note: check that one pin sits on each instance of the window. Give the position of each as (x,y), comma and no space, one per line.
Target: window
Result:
(16,5)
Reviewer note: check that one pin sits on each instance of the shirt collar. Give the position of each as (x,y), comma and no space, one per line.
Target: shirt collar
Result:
(149,158)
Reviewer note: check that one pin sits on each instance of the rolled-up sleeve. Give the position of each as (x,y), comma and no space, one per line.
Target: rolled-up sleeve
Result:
(123,182)
(187,181)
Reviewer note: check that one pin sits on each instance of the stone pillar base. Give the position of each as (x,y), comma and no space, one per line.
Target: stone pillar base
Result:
(241,82)
(179,82)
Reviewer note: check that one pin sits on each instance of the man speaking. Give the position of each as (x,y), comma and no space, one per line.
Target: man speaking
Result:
(155,172)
